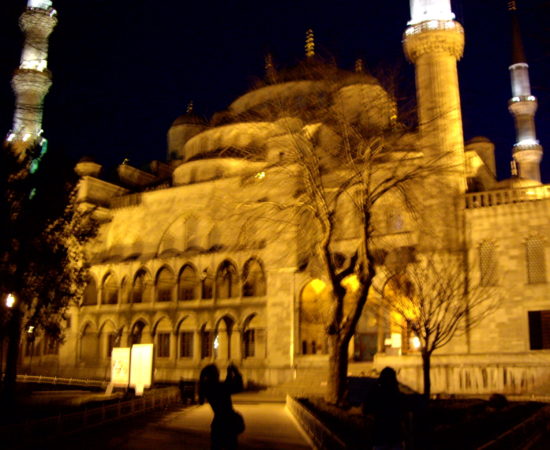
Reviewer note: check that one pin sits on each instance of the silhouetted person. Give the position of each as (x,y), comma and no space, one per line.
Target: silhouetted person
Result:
(387,404)
(227,423)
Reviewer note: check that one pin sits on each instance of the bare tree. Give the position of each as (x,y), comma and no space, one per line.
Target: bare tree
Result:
(343,146)
(437,301)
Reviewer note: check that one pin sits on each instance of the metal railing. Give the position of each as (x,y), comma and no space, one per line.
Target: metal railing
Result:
(85,382)
(64,424)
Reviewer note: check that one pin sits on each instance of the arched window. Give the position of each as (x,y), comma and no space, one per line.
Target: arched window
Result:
(535,259)
(124,291)
(487,264)
(207,285)
(313,315)
(254,283)
(227,283)
(110,290)
(253,338)
(207,342)
(165,285)
(136,334)
(90,293)
(140,287)
(187,284)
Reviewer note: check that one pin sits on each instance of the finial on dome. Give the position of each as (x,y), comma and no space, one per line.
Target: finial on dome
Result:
(310,43)
(269,68)
(359,65)
(189,109)
(512,5)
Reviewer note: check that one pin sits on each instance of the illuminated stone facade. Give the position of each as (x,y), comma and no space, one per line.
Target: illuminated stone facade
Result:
(178,262)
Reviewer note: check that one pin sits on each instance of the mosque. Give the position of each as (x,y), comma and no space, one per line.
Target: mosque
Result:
(180,263)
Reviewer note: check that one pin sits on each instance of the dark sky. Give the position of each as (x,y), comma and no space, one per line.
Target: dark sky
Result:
(124,70)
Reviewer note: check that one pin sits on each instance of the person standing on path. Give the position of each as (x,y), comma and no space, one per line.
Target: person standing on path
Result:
(227,423)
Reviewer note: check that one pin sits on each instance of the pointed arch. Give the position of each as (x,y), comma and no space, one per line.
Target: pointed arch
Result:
(254,280)
(188,283)
(109,292)
(227,280)
(165,284)
(90,292)
(141,287)
(186,331)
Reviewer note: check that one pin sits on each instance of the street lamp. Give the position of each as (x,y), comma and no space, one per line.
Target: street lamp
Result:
(10,300)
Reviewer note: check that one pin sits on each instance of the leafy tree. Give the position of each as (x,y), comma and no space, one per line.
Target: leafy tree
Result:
(42,263)
(437,301)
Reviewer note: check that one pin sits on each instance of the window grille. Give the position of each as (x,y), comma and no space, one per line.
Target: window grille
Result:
(163,345)
(536,266)
(186,344)
(487,264)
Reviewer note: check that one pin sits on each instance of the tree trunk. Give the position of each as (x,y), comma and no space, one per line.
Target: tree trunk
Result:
(426,360)
(337,371)
(14,336)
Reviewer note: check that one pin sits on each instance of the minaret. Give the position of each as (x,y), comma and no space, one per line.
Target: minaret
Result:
(434,42)
(32,80)
(527,151)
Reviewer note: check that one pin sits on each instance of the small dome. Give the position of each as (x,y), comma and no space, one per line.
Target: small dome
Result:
(188,119)
(478,140)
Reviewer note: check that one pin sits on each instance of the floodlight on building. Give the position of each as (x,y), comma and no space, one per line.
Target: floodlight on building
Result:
(415,342)
(10,300)
(216,342)
(30,330)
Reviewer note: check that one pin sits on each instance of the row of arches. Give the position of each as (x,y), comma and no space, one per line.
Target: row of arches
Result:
(188,284)
(189,341)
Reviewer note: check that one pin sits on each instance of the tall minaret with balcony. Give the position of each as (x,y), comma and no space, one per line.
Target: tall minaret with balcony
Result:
(32,80)
(527,152)
(434,42)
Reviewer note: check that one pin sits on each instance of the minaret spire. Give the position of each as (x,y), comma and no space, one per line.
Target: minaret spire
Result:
(32,80)
(434,42)
(527,152)
(310,44)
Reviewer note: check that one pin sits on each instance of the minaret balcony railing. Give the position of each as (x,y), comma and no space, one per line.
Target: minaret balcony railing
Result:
(32,72)
(434,25)
(507,196)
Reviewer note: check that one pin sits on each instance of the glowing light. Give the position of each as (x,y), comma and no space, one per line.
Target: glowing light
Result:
(42,4)
(10,300)
(415,342)
(351,282)
(432,25)
(26,137)
(531,98)
(30,330)
(318,286)
(260,175)
(11,137)
(216,342)
(527,142)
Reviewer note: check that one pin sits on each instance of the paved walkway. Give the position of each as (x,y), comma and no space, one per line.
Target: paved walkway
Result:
(268,426)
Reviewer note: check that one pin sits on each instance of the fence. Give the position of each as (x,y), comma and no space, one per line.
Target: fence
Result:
(56,426)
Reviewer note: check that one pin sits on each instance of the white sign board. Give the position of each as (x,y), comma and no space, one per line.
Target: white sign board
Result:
(120,366)
(141,367)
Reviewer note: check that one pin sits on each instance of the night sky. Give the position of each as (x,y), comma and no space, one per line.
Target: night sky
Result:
(124,70)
